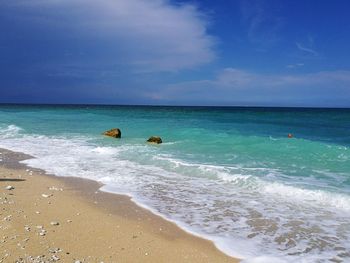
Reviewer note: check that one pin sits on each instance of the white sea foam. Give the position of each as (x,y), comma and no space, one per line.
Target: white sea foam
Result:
(264,259)
(244,214)
(309,197)
(9,131)
(232,175)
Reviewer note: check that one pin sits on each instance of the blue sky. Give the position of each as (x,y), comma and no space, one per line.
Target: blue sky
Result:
(237,52)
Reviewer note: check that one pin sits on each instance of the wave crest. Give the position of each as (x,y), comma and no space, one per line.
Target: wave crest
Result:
(10,131)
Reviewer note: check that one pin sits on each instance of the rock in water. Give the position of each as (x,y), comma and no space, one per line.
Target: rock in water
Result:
(155,139)
(116,133)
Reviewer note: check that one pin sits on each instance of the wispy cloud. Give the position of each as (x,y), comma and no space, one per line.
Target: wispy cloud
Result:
(233,86)
(306,49)
(263,24)
(296,65)
(148,35)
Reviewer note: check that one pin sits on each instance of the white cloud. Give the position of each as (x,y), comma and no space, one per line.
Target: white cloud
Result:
(152,35)
(234,86)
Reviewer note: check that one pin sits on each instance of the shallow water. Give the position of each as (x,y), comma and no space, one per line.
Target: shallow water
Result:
(228,174)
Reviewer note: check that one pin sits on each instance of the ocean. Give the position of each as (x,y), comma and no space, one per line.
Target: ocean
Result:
(228,174)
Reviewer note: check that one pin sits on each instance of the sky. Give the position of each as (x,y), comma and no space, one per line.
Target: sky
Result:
(176,52)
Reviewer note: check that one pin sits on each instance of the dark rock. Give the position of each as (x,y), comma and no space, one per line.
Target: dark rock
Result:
(155,139)
(115,133)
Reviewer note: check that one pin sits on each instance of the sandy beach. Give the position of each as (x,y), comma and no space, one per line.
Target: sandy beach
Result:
(46,218)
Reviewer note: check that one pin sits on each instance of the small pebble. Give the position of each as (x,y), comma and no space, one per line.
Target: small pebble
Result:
(54,223)
(9,187)
(55,258)
(55,250)
(53,188)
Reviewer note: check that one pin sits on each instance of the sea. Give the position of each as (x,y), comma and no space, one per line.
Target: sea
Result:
(228,174)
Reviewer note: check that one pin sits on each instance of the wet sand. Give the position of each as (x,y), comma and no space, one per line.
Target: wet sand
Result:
(47,218)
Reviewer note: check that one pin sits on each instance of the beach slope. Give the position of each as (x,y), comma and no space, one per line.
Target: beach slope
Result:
(50,218)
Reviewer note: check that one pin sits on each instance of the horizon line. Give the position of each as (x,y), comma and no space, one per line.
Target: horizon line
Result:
(159,105)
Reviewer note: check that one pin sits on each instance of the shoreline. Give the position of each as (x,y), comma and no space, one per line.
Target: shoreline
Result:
(156,238)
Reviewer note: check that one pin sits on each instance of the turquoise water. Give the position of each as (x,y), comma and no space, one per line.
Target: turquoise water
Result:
(228,174)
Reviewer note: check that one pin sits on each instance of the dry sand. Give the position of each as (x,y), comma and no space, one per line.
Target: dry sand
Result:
(47,218)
